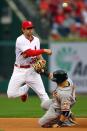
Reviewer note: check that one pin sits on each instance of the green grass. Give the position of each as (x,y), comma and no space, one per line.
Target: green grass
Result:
(31,108)
(17,108)
(80,108)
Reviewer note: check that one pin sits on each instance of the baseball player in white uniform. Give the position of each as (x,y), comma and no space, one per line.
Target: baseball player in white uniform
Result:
(24,75)
(63,100)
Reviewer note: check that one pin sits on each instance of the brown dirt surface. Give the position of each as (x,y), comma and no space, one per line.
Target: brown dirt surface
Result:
(31,124)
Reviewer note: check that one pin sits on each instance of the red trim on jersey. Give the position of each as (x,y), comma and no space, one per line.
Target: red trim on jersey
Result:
(29,52)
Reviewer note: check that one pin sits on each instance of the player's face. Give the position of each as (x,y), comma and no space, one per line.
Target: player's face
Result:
(28,31)
(64,84)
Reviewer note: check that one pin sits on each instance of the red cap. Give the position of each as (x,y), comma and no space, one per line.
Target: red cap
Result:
(27,24)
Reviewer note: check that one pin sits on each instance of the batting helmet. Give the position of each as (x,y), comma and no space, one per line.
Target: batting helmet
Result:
(59,76)
(27,24)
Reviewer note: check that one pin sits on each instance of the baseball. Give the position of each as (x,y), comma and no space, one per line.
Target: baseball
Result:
(65,4)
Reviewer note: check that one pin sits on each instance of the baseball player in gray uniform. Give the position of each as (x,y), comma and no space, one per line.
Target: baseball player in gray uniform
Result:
(63,100)
(24,76)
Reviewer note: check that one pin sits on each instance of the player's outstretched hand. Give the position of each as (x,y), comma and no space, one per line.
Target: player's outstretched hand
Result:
(48,51)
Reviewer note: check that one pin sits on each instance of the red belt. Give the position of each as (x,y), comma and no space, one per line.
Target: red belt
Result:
(23,66)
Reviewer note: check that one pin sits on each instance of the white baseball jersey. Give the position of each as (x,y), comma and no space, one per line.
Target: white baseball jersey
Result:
(26,76)
(23,44)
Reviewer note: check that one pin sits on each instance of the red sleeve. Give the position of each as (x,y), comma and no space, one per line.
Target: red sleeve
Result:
(29,52)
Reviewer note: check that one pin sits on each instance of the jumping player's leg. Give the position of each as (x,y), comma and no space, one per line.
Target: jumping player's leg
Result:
(14,88)
(35,82)
(46,104)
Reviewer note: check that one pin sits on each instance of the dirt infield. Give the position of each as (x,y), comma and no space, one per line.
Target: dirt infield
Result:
(31,124)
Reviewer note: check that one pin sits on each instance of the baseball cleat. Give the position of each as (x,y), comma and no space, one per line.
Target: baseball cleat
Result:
(72,119)
(73,122)
(24,97)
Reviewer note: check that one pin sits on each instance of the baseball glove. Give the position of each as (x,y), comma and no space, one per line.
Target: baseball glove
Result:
(39,65)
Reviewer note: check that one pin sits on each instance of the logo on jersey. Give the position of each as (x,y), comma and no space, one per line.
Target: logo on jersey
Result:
(65,57)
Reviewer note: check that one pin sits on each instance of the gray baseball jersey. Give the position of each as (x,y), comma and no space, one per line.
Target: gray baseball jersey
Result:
(62,102)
